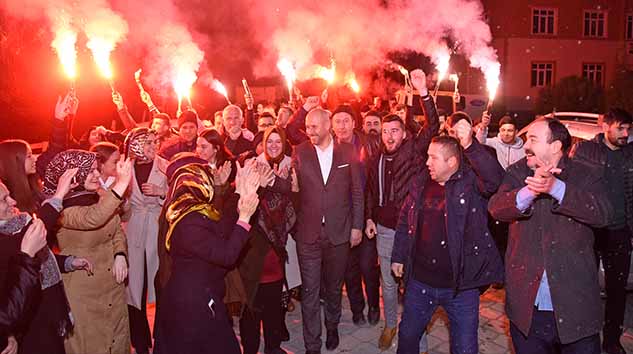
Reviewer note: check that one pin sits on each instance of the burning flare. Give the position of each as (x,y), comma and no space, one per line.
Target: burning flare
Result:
(183,83)
(492,73)
(353,84)
(327,74)
(288,71)
(101,50)
(64,45)
(454,78)
(219,88)
(442,60)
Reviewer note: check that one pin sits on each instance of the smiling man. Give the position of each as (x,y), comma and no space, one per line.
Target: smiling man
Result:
(552,299)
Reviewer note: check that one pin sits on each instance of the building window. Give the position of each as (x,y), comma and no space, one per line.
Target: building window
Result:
(542,74)
(594,72)
(543,21)
(629,28)
(595,24)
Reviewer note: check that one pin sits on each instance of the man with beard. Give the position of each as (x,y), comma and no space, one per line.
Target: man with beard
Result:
(390,174)
(551,202)
(371,123)
(610,153)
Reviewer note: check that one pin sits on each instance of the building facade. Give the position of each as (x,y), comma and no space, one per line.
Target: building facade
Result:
(541,41)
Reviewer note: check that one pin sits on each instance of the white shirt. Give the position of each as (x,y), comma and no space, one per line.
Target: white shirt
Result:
(325,157)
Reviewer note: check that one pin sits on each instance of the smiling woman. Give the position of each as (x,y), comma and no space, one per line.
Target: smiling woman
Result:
(17,171)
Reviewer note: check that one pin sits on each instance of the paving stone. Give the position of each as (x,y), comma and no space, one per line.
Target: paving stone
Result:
(490,313)
(487,347)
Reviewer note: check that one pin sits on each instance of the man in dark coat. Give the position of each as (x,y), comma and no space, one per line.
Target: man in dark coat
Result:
(609,152)
(234,138)
(553,298)
(389,177)
(442,243)
(330,219)
(186,141)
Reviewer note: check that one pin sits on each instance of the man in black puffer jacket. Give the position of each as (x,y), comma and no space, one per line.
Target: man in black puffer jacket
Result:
(611,154)
(389,177)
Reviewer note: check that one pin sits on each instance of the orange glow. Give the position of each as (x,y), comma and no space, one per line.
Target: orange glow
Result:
(492,74)
(288,71)
(442,63)
(64,45)
(353,83)
(219,88)
(101,50)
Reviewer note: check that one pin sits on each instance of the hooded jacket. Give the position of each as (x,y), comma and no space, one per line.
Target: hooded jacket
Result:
(507,154)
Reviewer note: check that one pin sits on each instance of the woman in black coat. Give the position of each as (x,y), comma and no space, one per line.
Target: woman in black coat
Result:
(23,286)
(46,320)
(203,246)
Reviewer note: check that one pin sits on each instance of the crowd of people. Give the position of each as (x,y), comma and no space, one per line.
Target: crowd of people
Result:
(199,219)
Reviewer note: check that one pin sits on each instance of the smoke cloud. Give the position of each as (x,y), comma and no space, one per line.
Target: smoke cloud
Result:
(179,38)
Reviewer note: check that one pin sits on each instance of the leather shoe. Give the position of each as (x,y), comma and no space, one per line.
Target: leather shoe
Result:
(386,338)
(373,315)
(359,319)
(614,348)
(332,340)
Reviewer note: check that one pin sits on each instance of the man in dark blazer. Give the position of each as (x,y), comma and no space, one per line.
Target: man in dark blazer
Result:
(553,298)
(329,221)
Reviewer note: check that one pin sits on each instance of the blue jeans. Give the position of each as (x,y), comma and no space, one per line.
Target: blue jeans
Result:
(421,301)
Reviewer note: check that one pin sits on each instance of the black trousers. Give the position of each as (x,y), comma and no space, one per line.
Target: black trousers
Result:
(614,248)
(140,334)
(543,338)
(362,265)
(266,309)
(317,259)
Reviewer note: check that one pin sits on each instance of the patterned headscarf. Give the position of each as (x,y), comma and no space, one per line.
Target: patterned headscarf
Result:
(191,191)
(135,142)
(81,159)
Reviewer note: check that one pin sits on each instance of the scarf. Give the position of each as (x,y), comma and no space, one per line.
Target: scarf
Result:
(276,215)
(191,191)
(135,143)
(49,270)
(83,160)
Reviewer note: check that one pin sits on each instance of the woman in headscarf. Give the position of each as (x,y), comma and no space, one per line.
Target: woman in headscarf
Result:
(262,266)
(47,320)
(146,195)
(204,245)
(90,225)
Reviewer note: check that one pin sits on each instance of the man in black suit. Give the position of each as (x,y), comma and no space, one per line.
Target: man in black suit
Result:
(329,221)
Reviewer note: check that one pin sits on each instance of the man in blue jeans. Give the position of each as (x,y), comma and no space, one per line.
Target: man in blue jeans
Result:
(442,244)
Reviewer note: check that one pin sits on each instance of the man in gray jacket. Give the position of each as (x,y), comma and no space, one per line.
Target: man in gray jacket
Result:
(509,147)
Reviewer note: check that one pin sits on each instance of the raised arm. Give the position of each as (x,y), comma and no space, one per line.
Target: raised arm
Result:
(486,167)
(297,125)
(432,121)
